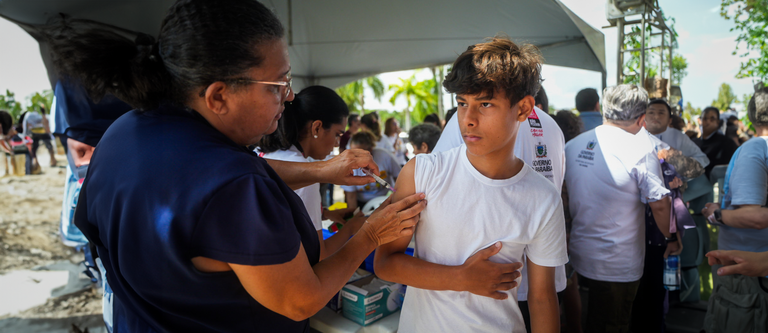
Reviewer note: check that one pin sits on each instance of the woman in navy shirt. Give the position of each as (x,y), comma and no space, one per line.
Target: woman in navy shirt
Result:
(195,231)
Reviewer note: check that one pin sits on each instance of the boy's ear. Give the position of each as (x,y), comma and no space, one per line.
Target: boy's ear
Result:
(525,107)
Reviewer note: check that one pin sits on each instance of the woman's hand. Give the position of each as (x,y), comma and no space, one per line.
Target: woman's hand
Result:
(340,169)
(393,221)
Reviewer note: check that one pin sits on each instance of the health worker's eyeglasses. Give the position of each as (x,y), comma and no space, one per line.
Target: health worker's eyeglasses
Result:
(286,84)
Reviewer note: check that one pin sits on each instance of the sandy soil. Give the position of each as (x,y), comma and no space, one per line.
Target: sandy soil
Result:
(29,220)
(84,302)
(30,208)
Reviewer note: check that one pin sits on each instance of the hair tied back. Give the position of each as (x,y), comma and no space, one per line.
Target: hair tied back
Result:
(147,47)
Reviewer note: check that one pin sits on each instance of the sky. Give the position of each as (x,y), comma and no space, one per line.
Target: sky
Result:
(704,39)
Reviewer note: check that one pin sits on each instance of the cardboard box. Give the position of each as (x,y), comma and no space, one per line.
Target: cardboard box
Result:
(335,303)
(370,299)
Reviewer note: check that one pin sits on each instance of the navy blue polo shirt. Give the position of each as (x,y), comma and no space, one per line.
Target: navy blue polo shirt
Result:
(79,117)
(164,187)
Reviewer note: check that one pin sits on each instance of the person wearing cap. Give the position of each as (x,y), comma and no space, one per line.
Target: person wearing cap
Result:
(743,222)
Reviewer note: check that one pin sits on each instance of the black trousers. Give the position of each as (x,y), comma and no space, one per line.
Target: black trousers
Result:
(648,308)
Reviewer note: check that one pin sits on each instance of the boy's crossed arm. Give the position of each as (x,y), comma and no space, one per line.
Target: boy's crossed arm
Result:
(477,275)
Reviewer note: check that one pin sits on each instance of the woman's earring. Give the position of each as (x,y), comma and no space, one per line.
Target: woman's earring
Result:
(315,136)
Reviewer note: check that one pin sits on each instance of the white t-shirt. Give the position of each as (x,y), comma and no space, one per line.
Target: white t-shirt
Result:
(310,195)
(611,175)
(33,124)
(468,212)
(679,141)
(388,143)
(389,169)
(541,145)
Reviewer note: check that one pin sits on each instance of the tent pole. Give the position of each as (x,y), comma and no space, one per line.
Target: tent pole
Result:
(642,52)
(661,56)
(605,79)
(620,55)
(669,86)
(290,23)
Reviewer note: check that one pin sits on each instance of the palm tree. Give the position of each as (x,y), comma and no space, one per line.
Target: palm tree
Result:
(353,93)
(420,97)
(438,74)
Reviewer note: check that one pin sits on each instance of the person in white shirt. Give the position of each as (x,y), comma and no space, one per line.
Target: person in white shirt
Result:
(391,142)
(611,173)
(541,145)
(485,206)
(389,169)
(310,127)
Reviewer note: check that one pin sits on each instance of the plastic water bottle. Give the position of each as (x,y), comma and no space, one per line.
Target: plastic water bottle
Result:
(672,273)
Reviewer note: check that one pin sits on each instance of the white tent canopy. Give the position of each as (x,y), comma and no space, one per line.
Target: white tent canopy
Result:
(333,42)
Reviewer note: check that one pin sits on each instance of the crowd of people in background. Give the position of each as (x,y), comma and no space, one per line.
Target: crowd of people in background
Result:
(222,190)
(621,270)
(22,138)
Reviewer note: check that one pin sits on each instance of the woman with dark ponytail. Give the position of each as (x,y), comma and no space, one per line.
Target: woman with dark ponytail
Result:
(310,128)
(194,230)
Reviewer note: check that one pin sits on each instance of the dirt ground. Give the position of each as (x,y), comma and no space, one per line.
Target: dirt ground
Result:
(30,208)
(29,220)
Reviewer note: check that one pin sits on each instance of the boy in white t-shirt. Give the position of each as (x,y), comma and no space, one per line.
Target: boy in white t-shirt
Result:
(487,209)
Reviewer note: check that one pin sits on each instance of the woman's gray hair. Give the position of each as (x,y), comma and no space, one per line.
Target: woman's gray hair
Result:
(624,102)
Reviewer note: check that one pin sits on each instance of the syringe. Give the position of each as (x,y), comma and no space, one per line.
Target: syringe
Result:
(378,179)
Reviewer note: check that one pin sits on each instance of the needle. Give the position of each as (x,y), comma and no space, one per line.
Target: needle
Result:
(378,179)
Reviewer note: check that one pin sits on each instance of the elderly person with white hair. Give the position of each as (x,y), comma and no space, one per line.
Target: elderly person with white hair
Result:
(612,172)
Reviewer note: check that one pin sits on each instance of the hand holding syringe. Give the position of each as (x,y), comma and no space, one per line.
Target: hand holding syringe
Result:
(378,179)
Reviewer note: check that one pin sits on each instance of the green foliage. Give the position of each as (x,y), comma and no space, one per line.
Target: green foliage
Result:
(751,19)
(37,100)
(632,40)
(353,93)
(9,103)
(725,97)
(689,112)
(420,96)
(679,69)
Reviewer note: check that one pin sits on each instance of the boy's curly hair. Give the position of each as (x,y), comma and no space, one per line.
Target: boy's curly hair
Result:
(497,63)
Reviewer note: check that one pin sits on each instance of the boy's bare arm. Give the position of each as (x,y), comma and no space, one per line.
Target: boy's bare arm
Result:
(542,299)
(477,275)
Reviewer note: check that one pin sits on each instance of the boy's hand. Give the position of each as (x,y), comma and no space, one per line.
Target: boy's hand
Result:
(483,277)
